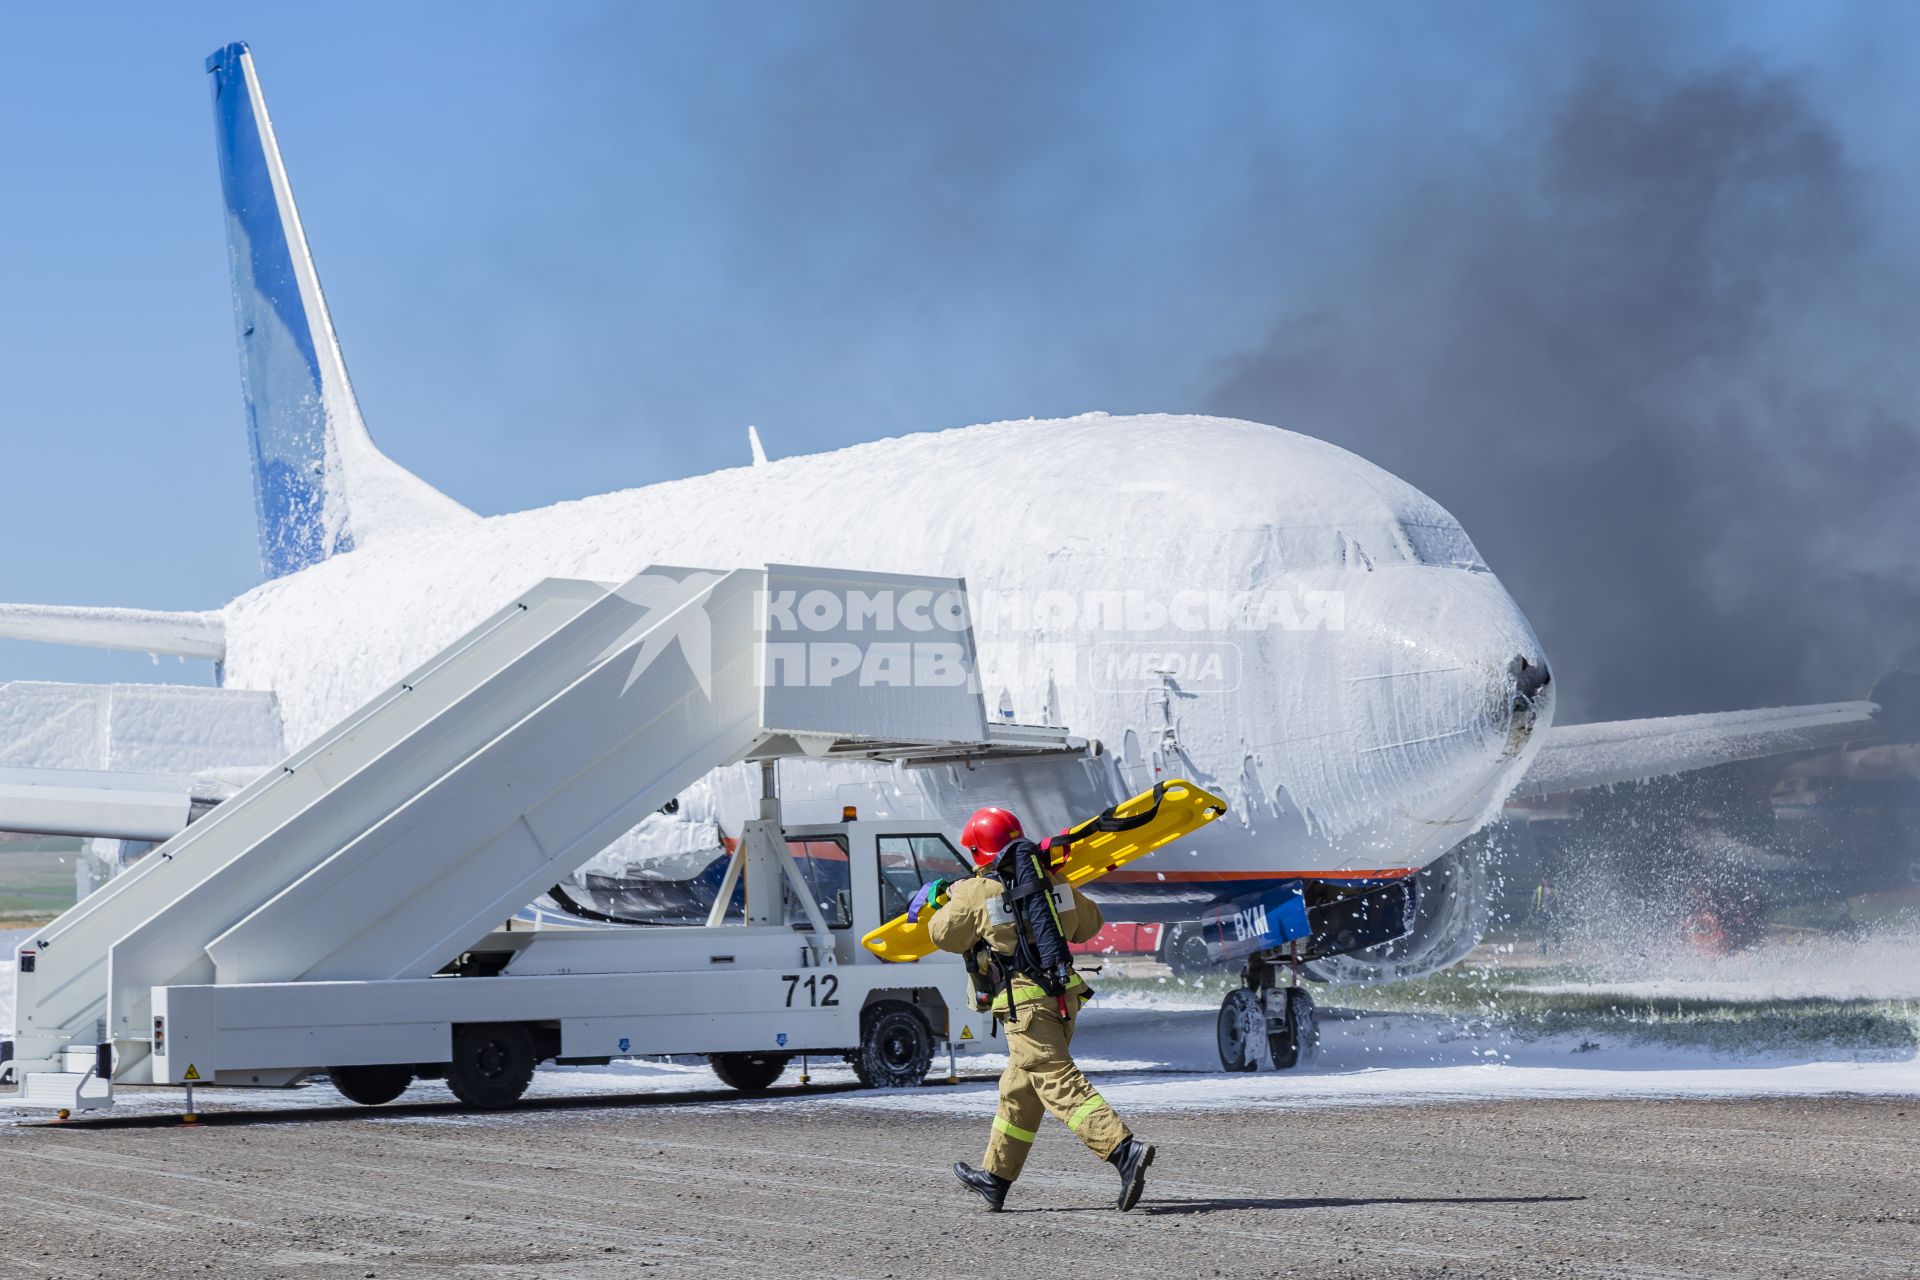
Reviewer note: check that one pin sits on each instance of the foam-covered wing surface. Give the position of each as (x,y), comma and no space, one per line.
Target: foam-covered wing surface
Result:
(127,761)
(180,730)
(176,634)
(1594,755)
(109,805)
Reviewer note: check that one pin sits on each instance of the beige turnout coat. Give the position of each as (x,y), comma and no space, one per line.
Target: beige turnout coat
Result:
(974,911)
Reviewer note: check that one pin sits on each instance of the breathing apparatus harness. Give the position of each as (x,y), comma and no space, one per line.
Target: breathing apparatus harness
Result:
(1039,943)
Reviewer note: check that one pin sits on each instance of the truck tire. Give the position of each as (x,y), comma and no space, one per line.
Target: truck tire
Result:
(896,1047)
(370,1086)
(492,1064)
(1185,951)
(748,1070)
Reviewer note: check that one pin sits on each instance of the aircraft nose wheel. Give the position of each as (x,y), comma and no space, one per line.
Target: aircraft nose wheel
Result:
(1292,1037)
(1240,1029)
(1272,1028)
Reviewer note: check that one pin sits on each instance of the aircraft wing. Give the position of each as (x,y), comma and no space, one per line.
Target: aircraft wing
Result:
(187,635)
(128,762)
(1578,756)
(97,802)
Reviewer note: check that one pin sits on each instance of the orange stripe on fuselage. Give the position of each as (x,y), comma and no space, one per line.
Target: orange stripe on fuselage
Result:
(732,844)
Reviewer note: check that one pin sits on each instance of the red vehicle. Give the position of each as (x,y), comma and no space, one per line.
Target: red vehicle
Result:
(1178,944)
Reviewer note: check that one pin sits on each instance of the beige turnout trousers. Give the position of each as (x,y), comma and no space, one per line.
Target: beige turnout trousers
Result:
(1040,1075)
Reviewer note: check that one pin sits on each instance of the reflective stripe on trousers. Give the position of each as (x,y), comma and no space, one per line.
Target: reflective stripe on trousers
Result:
(1041,1077)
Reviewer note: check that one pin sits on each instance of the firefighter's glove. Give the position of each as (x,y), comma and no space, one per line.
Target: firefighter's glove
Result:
(927,898)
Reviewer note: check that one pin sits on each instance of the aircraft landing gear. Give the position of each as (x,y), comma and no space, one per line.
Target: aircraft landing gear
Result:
(1264,1025)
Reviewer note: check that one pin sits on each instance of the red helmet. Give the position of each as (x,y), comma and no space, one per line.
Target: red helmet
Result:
(987,832)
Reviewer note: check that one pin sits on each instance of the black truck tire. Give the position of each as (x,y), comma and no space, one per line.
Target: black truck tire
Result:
(896,1047)
(492,1064)
(370,1086)
(748,1071)
(1185,950)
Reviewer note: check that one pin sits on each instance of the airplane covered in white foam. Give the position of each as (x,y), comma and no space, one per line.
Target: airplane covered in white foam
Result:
(1295,628)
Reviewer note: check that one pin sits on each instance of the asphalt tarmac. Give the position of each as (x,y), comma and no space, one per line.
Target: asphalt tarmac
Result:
(710,1184)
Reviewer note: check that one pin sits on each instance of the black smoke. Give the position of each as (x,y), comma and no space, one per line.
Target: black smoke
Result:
(1652,349)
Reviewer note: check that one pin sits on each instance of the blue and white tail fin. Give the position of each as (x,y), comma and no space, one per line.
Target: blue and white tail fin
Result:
(320,486)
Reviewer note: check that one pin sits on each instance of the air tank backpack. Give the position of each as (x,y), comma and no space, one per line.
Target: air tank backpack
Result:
(1039,944)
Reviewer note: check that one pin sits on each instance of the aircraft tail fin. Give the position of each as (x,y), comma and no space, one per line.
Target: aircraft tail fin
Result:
(321,487)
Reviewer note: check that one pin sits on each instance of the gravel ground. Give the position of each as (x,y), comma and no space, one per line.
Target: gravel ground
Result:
(827,1186)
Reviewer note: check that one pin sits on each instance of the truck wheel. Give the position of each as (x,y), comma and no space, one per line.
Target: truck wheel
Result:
(1186,952)
(492,1064)
(370,1086)
(896,1047)
(1241,1025)
(748,1070)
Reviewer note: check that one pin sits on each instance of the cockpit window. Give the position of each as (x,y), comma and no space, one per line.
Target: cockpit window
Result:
(1353,555)
(1445,545)
(1365,545)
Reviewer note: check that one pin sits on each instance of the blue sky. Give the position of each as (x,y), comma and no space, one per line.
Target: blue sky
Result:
(580,246)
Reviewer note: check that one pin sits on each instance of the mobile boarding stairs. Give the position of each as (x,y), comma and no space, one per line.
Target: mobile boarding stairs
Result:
(326,917)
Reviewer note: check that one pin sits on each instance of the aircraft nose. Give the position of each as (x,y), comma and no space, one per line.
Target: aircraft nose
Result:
(1440,692)
(1530,678)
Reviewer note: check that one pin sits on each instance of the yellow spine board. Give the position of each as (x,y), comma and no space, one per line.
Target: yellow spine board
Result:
(1184,809)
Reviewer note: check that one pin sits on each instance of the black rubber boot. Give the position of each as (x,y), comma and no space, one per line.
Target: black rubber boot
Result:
(991,1186)
(1131,1158)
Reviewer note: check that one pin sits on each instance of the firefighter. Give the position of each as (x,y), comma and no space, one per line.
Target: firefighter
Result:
(1013,920)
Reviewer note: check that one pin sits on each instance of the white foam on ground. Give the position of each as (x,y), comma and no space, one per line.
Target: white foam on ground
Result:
(1148,1060)
(1143,1060)
(1880,966)
(1154,1050)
